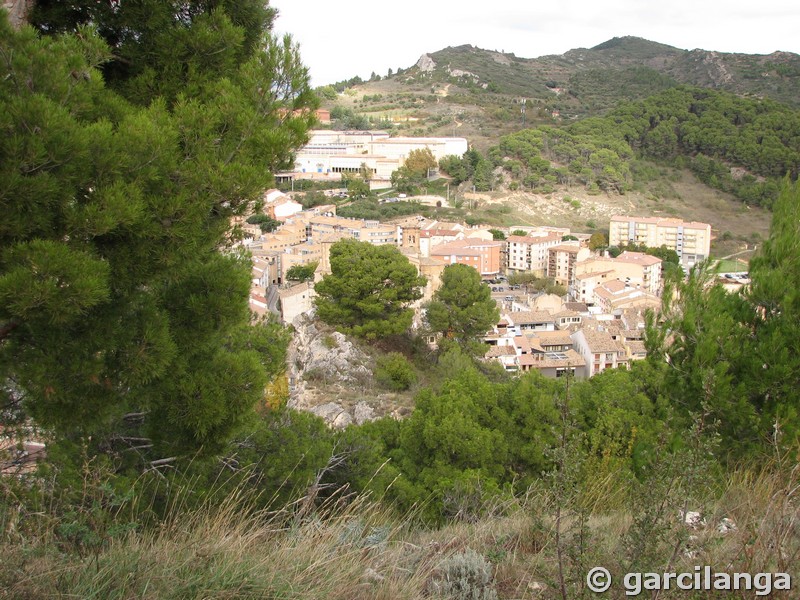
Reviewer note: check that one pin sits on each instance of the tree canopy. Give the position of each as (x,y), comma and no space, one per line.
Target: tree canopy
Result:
(302,272)
(414,172)
(369,290)
(462,308)
(127,147)
(705,130)
(734,357)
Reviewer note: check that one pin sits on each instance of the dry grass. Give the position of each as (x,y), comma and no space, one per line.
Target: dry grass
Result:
(359,549)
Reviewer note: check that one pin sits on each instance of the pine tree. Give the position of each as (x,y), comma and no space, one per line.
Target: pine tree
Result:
(121,167)
(462,308)
(368,290)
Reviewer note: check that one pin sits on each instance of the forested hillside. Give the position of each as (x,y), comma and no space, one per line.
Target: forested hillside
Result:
(488,92)
(737,145)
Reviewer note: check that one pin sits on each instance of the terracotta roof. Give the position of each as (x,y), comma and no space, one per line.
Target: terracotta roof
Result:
(660,221)
(638,258)
(530,316)
(551,338)
(636,347)
(497,351)
(453,250)
(441,232)
(600,341)
(591,274)
(614,286)
(579,307)
(523,343)
(529,239)
(566,248)
(565,313)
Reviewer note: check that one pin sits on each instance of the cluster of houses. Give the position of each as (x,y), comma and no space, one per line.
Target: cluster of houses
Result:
(598,324)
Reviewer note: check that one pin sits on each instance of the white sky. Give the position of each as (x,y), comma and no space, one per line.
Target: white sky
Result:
(343,38)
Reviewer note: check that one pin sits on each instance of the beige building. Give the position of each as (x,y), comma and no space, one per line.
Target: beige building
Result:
(691,240)
(431,269)
(481,255)
(582,290)
(529,253)
(600,351)
(562,259)
(329,154)
(296,300)
(635,269)
(374,232)
(616,295)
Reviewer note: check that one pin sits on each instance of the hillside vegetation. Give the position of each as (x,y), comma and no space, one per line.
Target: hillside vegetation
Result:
(480,92)
(733,144)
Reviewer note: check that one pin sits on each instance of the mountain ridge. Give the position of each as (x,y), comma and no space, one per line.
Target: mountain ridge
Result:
(775,75)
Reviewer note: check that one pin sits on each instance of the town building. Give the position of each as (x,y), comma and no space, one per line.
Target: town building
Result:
(529,253)
(561,261)
(599,351)
(482,255)
(691,240)
(329,154)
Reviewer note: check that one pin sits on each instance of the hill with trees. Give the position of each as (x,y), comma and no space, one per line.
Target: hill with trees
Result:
(134,132)
(738,145)
(481,92)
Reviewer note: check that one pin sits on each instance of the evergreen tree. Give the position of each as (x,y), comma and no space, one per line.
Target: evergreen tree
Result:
(462,308)
(733,356)
(115,296)
(368,290)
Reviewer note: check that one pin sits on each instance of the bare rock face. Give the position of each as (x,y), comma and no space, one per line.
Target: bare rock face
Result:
(329,358)
(333,414)
(426,63)
(363,412)
(325,356)
(18,11)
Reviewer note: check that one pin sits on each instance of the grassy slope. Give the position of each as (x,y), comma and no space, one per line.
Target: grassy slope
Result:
(358,550)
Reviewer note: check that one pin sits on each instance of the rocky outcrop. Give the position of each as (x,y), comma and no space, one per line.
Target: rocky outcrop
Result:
(331,377)
(333,414)
(426,63)
(328,356)
(320,358)
(18,11)
(460,73)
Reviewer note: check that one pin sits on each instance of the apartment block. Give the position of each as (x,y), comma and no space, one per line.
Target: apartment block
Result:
(373,232)
(691,240)
(529,253)
(482,255)
(636,269)
(561,261)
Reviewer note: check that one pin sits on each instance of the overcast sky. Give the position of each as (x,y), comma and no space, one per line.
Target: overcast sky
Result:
(344,38)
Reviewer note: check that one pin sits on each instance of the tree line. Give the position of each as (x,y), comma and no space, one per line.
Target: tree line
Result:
(743,146)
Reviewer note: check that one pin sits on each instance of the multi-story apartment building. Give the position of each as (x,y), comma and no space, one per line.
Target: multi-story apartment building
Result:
(691,240)
(636,269)
(484,256)
(373,232)
(529,253)
(561,261)
(600,351)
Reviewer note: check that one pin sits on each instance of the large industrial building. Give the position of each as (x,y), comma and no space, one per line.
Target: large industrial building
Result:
(329,154)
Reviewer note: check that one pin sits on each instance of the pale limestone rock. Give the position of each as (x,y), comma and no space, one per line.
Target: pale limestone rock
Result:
(426,64)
